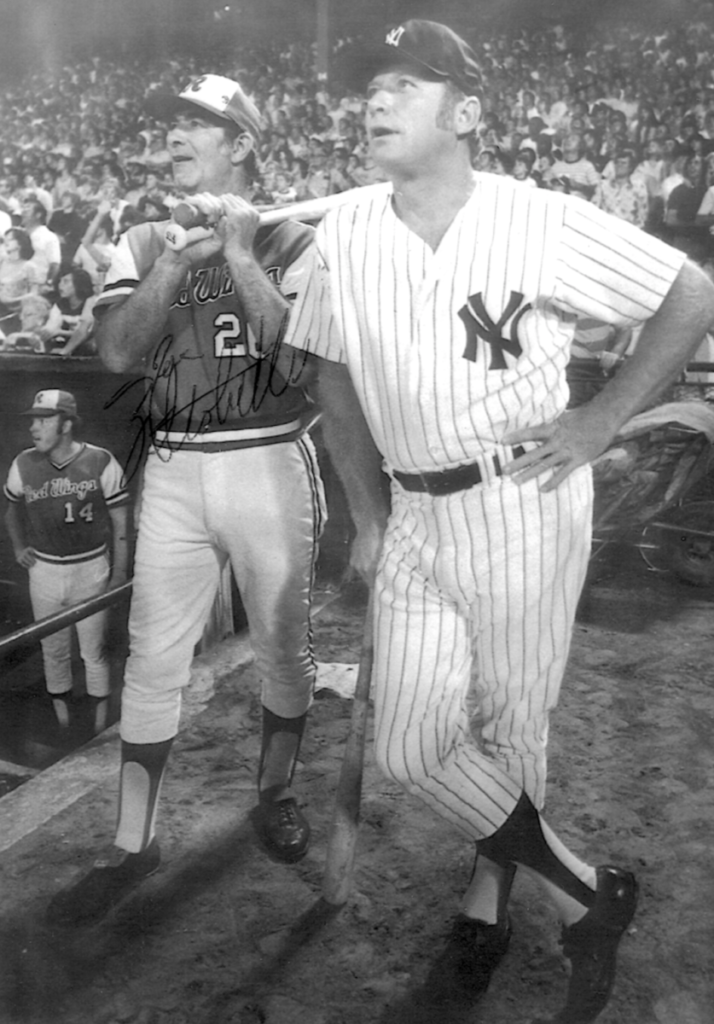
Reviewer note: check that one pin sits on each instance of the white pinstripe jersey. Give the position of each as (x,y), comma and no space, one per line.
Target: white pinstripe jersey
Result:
(450,350)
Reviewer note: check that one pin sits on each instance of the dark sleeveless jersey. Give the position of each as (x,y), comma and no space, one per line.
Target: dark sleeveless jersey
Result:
(205,375)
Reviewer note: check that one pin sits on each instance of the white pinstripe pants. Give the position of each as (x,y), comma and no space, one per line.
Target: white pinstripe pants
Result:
(475,602)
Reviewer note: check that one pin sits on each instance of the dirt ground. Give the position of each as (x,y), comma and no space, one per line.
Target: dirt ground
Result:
(223,935)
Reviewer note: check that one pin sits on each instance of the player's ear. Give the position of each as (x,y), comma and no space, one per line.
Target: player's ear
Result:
(243,144)
(467,115)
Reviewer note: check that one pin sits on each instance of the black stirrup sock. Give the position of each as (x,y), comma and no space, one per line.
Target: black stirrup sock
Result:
(504,889)
(279,750)
(520,839)
(142,771)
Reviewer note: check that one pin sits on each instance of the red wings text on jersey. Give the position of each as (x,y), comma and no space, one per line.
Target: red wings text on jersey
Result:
(60,487)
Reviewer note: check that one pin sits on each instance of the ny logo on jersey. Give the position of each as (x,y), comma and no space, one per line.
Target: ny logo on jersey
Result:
(394,36)
(479,324)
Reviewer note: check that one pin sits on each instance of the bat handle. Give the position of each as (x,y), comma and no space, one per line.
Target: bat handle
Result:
(342,838)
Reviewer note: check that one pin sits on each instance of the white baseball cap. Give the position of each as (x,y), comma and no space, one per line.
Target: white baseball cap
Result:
(52,402)
(220,96)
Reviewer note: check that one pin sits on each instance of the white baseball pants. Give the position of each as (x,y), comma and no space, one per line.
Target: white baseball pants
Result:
(55,587)
(262,508)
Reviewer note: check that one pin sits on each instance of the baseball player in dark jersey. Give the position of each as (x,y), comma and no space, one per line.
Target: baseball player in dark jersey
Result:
(66,499)
(442,305)
(231,475)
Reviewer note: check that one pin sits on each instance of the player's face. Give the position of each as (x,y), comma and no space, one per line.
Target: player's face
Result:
(47,432)
(200,153)
(405,124)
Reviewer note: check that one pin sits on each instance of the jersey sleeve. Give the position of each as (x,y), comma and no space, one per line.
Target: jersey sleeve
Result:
(13,490)
(113,484)
(132,258)
(295,275)
(609,269)
(312,326)
(122,275)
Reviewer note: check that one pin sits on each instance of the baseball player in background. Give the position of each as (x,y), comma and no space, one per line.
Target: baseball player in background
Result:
(442,305)
(231,474)
(66,499)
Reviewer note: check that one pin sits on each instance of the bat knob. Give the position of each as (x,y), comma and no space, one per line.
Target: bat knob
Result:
(184,216)
(176,236)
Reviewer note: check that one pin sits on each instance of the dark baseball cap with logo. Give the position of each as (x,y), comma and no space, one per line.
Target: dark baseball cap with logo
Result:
(219,96)
(435,51)
(51,402)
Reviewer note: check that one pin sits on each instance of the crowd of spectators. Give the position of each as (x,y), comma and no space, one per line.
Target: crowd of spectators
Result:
(626,122)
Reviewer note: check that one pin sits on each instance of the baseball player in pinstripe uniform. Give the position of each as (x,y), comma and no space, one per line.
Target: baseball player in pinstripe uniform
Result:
(231,475)
(442,306)
(65,499)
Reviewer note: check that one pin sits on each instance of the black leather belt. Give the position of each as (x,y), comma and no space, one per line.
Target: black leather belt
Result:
(448,481)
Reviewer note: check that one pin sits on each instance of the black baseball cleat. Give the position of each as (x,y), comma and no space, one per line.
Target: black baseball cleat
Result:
(473,951)
(91,898)
(591,946)
(283,829)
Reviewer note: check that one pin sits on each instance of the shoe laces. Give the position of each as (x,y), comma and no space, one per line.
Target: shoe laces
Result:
(286,812)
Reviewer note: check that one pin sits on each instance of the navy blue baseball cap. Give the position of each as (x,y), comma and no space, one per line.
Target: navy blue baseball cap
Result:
(435,51)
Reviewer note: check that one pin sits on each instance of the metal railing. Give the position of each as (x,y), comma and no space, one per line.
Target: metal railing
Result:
(60,620)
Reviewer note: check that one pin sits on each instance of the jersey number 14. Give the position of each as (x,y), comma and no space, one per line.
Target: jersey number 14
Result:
(86,513)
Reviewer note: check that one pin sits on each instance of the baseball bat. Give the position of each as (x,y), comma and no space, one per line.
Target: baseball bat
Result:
(308,209)
(342,838)
(185,216)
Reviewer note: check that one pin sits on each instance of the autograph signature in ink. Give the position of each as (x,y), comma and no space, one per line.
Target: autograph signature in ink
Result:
(236,393)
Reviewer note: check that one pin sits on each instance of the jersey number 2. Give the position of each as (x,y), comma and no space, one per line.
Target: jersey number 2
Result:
(232,337)
(86,512)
